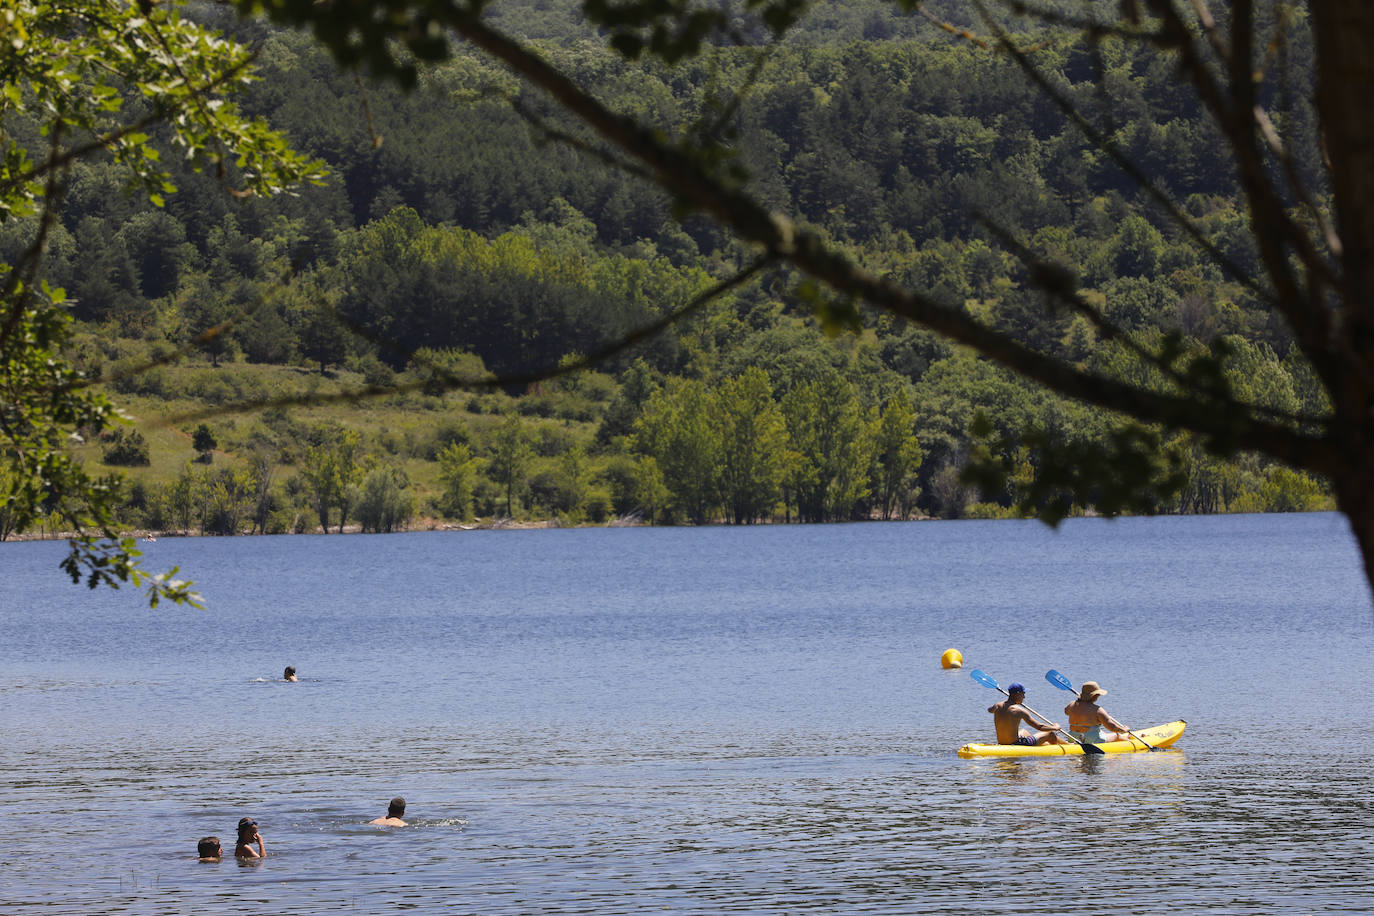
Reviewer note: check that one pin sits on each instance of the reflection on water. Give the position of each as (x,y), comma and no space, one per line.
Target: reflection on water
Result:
(697,721)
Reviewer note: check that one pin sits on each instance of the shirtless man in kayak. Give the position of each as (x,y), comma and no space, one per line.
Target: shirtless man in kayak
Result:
(1089,722)
(1008,715)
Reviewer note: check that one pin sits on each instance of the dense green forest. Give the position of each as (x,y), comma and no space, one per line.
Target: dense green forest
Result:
(294,363)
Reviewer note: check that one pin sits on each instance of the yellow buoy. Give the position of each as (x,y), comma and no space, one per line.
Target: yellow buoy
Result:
(952,658)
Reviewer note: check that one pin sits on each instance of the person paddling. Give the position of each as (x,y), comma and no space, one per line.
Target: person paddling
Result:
(1008,715)
(1089,722)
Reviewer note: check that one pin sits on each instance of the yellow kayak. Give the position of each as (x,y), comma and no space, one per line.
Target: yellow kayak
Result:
(1158,736)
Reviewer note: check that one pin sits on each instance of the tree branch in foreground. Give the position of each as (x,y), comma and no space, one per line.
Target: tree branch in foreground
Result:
(681,174)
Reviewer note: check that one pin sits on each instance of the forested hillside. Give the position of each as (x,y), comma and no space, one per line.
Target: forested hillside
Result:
(460,237)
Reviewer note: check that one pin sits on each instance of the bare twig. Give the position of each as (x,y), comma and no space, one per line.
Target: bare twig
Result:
(1057,282)
(494,382)
(804,249)
(1295,181)
(551,134)
(194,343)
(367,111)
(1274,229)
(1104,142)
(19,283)
(105,141)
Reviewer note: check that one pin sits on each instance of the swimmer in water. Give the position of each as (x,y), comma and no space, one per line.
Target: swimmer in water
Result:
(393,814)
(208,849)
(248,835)
(289,674)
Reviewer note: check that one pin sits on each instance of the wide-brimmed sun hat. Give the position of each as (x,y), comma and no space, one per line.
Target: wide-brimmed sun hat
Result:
(1091,691)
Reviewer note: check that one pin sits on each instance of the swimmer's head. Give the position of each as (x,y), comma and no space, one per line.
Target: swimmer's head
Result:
(247,827)
(208,847)
(396,808)
(290,673)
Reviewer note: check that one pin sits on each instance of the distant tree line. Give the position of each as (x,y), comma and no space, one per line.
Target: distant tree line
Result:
(461,247)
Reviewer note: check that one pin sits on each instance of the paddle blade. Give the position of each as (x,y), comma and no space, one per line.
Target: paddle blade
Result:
(1058,680)
(978,675)
(1091,749)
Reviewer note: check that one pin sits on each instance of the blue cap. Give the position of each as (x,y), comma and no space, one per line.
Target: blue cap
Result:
(1015,687)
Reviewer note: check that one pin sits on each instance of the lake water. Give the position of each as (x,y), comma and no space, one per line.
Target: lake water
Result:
(741,720)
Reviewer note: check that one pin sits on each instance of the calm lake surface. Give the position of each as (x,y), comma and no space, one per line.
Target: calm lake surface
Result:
(743,720)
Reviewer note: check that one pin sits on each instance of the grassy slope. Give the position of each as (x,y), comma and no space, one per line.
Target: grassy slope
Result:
(249,408)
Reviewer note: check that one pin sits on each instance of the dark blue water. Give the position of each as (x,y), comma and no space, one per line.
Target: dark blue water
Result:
(693,721)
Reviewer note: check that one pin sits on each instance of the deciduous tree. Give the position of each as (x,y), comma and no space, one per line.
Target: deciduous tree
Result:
(753,446)
(330,469)
(510,458)
(458,474)
(383,499)
(896,454)
(679,430)
(826,430)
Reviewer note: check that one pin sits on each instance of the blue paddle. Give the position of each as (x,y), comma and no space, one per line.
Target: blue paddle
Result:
(978,675)
(1063,683)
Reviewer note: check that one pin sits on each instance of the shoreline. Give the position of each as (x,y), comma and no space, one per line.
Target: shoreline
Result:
(503,524)
(492,524)
(143,534)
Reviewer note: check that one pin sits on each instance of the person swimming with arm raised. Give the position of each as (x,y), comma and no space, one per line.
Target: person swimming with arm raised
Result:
(1008,715)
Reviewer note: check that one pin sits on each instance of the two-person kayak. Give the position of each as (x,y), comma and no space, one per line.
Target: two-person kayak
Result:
(1158,736)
